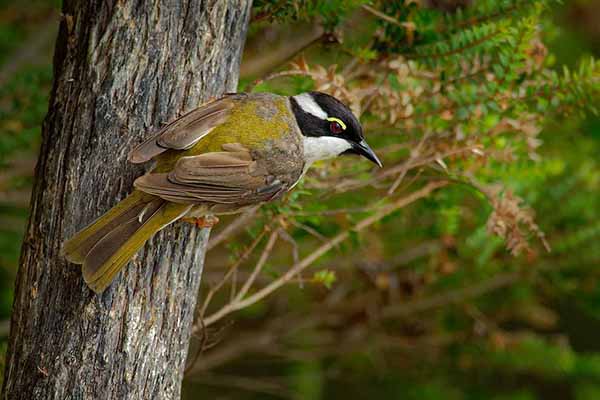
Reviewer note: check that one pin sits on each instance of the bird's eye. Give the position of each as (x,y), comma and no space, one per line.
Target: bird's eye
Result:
(335,127)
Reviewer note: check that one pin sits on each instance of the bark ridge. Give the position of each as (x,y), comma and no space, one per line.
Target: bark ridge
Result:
(122,69)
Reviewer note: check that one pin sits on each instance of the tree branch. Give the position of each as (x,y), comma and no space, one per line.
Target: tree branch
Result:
(297,268)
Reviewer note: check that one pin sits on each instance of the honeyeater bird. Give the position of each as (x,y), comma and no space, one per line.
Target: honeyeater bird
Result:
(220,158)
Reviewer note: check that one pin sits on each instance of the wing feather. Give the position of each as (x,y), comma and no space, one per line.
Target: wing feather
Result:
(229,177)
(185,131)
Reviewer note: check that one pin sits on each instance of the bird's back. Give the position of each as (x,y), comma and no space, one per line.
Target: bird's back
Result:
(258,121)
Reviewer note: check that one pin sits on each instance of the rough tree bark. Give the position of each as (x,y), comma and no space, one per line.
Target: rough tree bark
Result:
(122,68)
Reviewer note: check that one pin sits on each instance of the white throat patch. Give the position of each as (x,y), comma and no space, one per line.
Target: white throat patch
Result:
(309,105)
(323,147)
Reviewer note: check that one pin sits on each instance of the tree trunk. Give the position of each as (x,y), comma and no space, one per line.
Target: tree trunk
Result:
(122,68)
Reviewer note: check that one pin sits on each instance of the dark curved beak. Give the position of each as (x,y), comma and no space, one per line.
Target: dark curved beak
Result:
(365,150)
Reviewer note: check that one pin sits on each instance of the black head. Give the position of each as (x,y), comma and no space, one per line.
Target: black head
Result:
(329,127)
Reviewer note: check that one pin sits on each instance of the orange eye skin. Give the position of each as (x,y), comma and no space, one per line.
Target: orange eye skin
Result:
(335,127)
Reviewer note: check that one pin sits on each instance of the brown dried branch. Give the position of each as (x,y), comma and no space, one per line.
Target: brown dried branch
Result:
(353,184)
(297,268)
(414,154)
(227,275)
(259,265)
(508,216)
(234,227)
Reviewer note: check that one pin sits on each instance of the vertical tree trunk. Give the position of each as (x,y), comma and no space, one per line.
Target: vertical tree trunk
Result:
(122,68)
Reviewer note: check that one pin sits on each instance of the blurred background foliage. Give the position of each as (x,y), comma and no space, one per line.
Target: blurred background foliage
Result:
(484,113)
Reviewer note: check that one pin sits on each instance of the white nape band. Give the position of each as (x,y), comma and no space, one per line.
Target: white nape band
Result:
(323,147)
(309,105)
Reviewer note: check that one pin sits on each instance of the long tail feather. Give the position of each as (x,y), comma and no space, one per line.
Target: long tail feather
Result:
(104,262)
(110,242)
(77,248)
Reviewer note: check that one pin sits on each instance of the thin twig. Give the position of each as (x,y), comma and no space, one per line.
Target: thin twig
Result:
(402,174)
(353,184)
(323,249)
(218,286)
(259,265)
(288,238)
(233,286)
(383,16)
(240,223)
(332,212)
(310,230)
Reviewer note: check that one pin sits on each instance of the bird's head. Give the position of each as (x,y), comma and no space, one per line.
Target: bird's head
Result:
(329,128)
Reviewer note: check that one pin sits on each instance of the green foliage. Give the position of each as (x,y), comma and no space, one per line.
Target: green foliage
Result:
(499,78)
(332,12)
(325,278)
(306,379)
(479,95)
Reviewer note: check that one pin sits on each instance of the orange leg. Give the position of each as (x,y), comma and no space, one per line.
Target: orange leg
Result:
(208,221)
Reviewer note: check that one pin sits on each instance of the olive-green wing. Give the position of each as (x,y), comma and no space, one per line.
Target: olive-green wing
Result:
(228,177)
(186,130)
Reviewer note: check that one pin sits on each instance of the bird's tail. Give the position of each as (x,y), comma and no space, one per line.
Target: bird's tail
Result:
(107,244)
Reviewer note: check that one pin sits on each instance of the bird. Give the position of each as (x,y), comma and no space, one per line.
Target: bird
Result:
(220,158)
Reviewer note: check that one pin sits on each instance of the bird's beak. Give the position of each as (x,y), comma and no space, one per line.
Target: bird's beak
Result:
(365,150)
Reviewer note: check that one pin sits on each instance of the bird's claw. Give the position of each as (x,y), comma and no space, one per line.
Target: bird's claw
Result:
(208,221)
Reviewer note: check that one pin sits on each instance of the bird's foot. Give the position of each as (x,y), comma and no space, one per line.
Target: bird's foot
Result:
(208,221)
